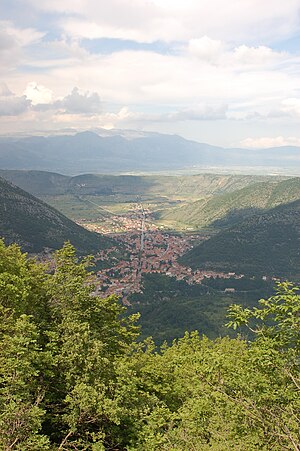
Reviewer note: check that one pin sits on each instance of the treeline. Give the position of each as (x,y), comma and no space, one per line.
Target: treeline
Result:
(242,284)
(74,377)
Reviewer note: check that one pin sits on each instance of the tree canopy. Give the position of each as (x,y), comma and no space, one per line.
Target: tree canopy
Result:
(74,377)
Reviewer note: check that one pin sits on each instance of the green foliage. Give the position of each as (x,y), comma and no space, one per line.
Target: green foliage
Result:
(263,244)
(169,308)
(74,377)
(231,207)
(59,347)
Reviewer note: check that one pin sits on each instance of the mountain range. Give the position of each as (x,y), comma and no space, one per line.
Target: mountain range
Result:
(90,152)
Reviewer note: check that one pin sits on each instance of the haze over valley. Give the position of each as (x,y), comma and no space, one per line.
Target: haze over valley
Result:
(144,152)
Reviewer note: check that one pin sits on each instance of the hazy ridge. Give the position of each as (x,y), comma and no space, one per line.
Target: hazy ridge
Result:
(89,152)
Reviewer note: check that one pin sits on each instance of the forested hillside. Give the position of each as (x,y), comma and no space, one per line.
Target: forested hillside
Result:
(265,244)
(34,225)
(73,376)
(228,208)
(169,307)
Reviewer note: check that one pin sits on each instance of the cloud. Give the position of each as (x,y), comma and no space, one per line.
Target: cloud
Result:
(253,21)
(291,107)
(13,40)
(267,142)
(260,56)
(38,94)
(77,103)
(217,61)
(4,90)
(23,36)
(206,49)
(200,113)
(38,98)
(242,57)
(10,104)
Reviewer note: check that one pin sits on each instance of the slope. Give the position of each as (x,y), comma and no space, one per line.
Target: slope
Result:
(41,183)
(232,207)
(35,225)
(265,244)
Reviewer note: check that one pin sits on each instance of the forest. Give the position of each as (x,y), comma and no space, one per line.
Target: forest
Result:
(75,377)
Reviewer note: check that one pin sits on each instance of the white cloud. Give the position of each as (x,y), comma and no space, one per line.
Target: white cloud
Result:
(291,107)
(39,100)
(80,103)
(200,113)
(221,64)
(206,49)
(260,56)
(38,93)
(4,90)
(151,20)
(10,104)
(140,77)
(240,58)
(23,36)
(13,40)
(125,116)
(267,142)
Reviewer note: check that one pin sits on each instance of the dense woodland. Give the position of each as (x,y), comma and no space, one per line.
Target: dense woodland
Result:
(75,377)
(169,307)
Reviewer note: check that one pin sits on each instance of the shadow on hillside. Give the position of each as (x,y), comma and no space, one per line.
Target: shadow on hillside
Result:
(236,216)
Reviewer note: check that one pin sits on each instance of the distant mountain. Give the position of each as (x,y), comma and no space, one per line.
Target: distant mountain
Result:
(35,225)
(89,152)
(265,244)
(229,208)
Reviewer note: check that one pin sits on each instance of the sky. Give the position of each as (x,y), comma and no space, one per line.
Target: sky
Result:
(222,72)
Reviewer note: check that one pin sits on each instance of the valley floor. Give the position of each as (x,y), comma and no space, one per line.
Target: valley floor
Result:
(149,250)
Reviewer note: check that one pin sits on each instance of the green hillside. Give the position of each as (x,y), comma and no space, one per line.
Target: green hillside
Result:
(91,197)
(229,208)
(41,183)
(35,225)
(169,308)
(262,244)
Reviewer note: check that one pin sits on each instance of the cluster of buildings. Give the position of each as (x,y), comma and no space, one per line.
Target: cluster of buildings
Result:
(149,250)
(128,222)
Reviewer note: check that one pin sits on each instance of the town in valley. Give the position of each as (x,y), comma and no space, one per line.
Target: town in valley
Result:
(148,248)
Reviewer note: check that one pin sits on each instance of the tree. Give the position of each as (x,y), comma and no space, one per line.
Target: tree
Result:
(274,358)
(74,377)
(60,346)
